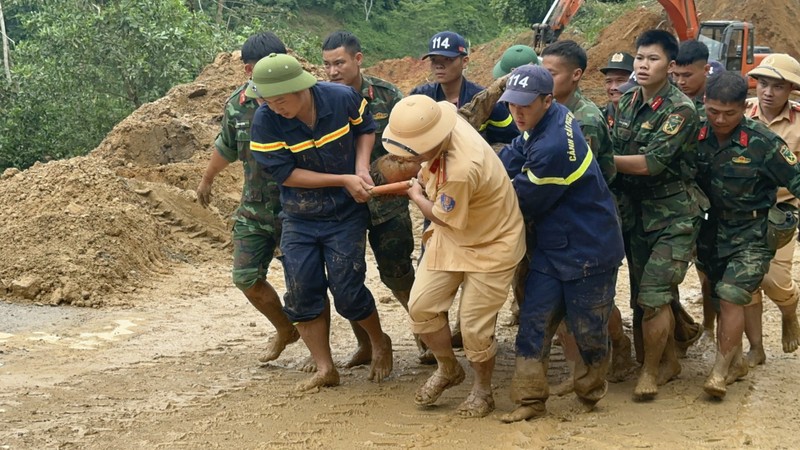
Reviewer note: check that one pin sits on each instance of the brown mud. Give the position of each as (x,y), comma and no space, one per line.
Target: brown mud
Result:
(167,357)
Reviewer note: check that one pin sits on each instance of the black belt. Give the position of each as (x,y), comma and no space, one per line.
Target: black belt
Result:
(740,215)
(657,191)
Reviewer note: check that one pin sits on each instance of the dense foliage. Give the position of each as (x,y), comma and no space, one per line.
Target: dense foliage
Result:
(80,66)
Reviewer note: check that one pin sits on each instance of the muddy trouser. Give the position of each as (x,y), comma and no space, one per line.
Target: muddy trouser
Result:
(584,305)
(318,255)
(660,260)
(392,243)
(482,296)
(255,236)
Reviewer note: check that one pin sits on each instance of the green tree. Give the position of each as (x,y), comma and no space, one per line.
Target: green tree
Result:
(85,65)
(522,13)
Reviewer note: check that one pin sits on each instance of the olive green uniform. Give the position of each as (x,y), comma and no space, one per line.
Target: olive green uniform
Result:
(595,130)
(666,205)
(741,177)
(256,228)
(390,233)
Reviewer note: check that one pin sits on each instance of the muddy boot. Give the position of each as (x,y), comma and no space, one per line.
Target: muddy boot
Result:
(590,381)
(529,390)
(687,331)
(657,328)
(716,385)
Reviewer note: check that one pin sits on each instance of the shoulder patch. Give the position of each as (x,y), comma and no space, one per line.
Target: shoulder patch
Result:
(788,155)
(447,202)
(673,124)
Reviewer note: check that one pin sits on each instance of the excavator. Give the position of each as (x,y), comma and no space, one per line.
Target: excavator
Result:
(730,42)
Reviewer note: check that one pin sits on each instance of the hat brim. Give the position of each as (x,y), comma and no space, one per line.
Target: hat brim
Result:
(498,71)
(444,53)
(265,90)
(519,97)
(775,75)
(605,70)
(427,141)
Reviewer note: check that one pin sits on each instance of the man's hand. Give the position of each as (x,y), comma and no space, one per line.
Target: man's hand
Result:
(204,193)
(357,187)
(416,192)
(363,173)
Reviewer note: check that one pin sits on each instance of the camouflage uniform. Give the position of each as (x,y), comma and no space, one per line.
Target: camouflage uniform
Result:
(741,177)
(666,205)
(700,106)
(390,234)
(595,130)
(609,111)
(256,228)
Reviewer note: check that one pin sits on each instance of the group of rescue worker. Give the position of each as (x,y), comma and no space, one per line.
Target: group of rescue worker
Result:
(679,167)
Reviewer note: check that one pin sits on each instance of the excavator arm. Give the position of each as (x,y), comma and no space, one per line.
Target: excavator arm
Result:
(683,15)
(557,18)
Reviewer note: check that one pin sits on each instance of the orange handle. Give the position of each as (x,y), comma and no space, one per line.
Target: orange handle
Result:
(399,187)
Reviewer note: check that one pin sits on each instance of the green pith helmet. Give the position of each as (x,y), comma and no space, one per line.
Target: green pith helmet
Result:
(782,223)
(515,56)
(278,74)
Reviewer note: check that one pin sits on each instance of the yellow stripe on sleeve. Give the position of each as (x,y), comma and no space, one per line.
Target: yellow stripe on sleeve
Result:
(499,123)
(268,147)
(360,118)
(587,161)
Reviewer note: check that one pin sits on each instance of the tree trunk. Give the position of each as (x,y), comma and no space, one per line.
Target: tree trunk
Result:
(220,5)
(367,9)
(6,63)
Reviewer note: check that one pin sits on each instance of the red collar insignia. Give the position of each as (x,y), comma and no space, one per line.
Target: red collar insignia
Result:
(743,138)
(703,133)
(657,103)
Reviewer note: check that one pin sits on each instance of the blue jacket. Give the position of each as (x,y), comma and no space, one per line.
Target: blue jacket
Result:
(282,145)
(562,193)
(499,128)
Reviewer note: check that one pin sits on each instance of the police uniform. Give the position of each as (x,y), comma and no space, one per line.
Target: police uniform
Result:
(595,130)
(390,229)
(324,229)
(741,178)
(500,127)
(665,205)
(778,283)
(256,228)
(477,250)
(577,251)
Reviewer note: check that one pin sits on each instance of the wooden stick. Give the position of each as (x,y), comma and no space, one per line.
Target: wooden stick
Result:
(399,187)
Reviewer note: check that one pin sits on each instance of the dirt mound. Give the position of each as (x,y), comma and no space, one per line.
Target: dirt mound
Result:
(83,230)
(775,21)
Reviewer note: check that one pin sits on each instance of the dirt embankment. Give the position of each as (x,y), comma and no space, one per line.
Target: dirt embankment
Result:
(84,231)
(81,231)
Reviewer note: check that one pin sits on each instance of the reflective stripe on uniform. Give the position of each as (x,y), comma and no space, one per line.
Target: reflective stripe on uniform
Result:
(361,109)
(498,124)
(300,146)
(587,161)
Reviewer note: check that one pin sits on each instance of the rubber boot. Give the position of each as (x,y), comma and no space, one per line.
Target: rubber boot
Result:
(590,381)
(716,385)
(529,390)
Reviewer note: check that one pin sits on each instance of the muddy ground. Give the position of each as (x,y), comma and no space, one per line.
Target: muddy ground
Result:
(120,328)
(180,370)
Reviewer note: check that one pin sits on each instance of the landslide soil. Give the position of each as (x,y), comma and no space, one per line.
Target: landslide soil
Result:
(167,355)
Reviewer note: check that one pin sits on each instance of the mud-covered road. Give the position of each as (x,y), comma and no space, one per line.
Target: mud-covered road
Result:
(182,372)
